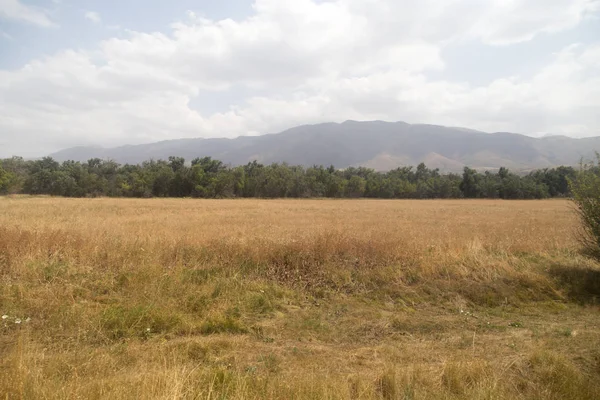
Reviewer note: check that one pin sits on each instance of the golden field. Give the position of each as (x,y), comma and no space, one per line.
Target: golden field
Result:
(295,299)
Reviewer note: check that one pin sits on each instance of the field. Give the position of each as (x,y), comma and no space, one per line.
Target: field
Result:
(295,299)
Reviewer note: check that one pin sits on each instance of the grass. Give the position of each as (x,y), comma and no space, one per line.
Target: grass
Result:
(303,299)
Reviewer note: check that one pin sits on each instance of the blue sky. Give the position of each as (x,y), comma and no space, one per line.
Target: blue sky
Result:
(74,30)
(108,73)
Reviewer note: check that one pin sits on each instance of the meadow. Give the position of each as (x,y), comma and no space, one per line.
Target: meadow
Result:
(295,299)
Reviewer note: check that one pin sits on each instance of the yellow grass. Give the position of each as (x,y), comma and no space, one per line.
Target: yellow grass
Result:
(334,299)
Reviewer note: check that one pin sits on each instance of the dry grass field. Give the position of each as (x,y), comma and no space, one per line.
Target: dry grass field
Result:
(295,299)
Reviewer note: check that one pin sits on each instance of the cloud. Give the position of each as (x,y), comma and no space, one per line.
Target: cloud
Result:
(14,9)
(302,61)
(562,97)
(506,22)
(93,17)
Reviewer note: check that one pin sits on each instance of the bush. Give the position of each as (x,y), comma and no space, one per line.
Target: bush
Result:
(586,197)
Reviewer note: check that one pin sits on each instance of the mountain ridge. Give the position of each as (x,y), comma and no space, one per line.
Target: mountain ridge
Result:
(377,144)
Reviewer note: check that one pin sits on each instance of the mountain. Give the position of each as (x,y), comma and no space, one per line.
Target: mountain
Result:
(375,144)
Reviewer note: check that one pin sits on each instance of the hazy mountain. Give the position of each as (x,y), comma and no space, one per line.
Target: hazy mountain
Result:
(379,145)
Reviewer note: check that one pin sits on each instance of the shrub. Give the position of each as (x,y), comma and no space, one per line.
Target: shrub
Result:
(586,197)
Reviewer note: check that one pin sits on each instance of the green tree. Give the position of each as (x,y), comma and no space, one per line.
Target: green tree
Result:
(239,181)
(101,179)
(555,179)
(209,165)
(41,176)
(336,185)
(356,186)
(135,181)
(278,181)
(316,180)
(470,183)
(586,197)
(253,179)
(210,178)
(181,182)
(7,179)
(489,184)
(162,175)
(18,170)
(176,163)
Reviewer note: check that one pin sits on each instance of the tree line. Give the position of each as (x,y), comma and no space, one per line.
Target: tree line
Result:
(210,178)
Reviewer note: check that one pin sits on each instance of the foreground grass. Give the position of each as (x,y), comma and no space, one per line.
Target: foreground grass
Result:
(305,299)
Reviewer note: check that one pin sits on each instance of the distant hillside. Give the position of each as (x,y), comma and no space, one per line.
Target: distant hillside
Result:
(379,145)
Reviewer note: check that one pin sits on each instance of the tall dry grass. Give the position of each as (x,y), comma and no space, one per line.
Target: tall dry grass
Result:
(295,299)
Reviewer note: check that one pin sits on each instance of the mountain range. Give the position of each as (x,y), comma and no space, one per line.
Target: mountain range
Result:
(374,144)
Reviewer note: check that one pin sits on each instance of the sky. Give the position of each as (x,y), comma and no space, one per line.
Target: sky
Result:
(114,72)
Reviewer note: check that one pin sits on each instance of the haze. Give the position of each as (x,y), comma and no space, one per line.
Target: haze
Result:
(109,73)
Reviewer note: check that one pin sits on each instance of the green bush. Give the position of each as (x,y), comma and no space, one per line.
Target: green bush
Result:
(586,197)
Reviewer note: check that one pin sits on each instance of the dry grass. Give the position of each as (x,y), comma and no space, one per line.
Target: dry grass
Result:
(302,299)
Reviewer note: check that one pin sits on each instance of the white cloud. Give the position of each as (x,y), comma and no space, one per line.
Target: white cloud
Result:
(93,16)
(14,9)
(508,21)
(302,61)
